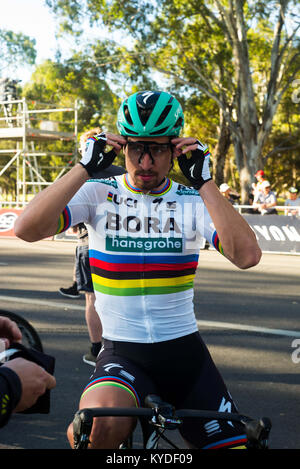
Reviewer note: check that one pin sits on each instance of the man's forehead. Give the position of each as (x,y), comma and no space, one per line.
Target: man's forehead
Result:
(163,139)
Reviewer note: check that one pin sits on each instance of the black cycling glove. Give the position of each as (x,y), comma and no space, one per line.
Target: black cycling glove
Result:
(196,168)
(94,158)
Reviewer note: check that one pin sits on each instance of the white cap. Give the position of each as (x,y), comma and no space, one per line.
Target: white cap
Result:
(265,184)
(224,187)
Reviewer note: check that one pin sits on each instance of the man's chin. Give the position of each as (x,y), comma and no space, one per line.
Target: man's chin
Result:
(145,182)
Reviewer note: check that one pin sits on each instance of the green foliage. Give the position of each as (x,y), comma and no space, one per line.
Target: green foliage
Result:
(282,150)
(192,43)
(76,79)
(61,85)
(186,48)
(16,48)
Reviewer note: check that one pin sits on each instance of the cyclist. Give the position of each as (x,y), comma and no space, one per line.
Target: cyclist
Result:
(144,232)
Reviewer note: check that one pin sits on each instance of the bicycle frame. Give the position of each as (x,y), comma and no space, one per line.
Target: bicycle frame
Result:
(162,416)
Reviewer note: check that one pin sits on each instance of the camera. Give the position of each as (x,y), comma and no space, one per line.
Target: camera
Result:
(42,405)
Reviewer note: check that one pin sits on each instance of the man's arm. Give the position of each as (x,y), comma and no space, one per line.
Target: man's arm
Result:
(40,218)
(236,237)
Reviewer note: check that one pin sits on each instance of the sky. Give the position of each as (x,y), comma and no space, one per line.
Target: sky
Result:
(33,18)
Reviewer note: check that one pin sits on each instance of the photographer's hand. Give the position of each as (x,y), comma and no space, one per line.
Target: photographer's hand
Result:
(9,332)
(34,381)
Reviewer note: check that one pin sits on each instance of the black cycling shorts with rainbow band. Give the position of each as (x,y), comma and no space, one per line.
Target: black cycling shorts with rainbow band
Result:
(181,372)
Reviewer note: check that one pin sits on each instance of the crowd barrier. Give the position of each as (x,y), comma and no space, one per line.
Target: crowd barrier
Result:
(275,233)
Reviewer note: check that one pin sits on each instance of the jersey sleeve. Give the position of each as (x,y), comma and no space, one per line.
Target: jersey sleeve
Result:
(206,228)
(82,207)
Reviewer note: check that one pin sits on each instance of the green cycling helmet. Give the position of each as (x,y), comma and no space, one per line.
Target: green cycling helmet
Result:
(150,114)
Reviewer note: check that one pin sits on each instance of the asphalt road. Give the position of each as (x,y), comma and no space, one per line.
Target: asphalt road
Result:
(249,319)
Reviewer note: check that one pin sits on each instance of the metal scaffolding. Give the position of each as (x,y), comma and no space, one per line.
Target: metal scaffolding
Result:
(23,126)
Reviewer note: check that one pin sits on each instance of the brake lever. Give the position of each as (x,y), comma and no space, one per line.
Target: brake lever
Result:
(82,427)
(257,432)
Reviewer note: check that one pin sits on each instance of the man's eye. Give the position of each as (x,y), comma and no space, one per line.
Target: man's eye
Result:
(136,148)
(159,148)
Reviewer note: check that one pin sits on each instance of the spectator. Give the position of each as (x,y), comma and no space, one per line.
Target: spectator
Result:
(260,176)
(292,201)
(21,381)
(228,193)
(83,282)
(265,200)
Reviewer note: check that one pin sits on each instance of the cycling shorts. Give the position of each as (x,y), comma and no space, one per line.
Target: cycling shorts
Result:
(83,270)
(182,373)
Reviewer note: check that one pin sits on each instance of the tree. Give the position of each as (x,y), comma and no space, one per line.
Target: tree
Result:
(281,157)
(60,84)
(76,78)
(212,48)
(15,48)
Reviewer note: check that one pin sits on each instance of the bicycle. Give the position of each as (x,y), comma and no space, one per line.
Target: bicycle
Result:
(161,417)
(30,337)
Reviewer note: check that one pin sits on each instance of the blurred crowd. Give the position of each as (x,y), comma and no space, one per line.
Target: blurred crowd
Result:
(263,198)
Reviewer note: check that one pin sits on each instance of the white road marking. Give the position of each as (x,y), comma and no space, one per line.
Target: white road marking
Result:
(248,328)
(32,301)
(200,323)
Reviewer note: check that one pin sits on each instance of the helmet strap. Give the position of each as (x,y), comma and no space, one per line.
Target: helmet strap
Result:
(163,180)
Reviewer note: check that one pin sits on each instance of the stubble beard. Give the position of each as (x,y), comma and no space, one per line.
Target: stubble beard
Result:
(143,185)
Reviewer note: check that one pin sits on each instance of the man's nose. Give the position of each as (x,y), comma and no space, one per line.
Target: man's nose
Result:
(146,161)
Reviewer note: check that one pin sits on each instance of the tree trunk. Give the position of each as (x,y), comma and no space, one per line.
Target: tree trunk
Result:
(221,150)
(247,157)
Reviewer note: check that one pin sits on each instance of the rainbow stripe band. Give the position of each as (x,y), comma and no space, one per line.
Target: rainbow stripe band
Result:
(216,243)
(133,189)
(64,221)
(206,153)
(112,381)
(229,443)
(137,275)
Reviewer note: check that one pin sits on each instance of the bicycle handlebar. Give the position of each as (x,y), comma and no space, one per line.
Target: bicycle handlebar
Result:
(147,412)
(162,413)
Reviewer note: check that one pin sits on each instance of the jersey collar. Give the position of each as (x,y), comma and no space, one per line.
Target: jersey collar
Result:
(166,187)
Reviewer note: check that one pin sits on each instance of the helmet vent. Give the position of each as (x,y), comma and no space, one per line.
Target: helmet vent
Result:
(144,115)
(179,122)
(159,132)
(129,131)
(127,115)
(163,115)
